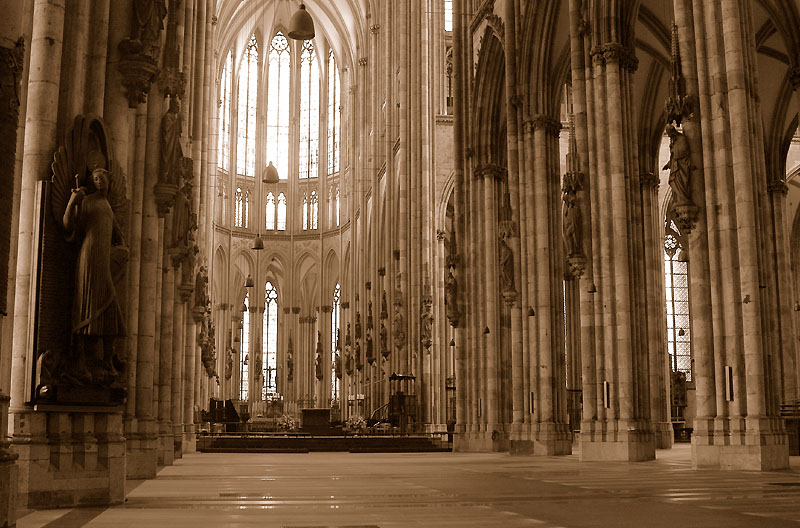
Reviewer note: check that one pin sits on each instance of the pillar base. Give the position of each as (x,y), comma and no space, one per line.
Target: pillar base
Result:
(756,444)
(617,441)
(664,434)
(166,447)
(481,441)
(69,458)
(547,439)
(8,486)
(142,452)
(189,441)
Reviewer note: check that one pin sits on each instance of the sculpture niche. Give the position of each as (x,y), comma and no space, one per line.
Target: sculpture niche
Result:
(89,207)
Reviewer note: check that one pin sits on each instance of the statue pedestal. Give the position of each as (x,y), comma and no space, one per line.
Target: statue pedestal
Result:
(69,457)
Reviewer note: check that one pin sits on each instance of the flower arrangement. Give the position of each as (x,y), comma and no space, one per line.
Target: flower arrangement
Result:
(356,423)
(286,423)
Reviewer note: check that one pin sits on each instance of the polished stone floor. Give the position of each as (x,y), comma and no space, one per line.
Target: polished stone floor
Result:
(442,490)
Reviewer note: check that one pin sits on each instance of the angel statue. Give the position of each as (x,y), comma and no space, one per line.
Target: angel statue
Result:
(90,219)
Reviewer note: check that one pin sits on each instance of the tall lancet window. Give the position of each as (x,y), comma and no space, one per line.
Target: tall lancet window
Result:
(313,211)
(278,110)
(270,340)
(244,363)
(676,280)
(224,156)
(281,212)
(305,211)
(248,97)
(334,115)
(309,112)
(238,208)
(448,15)
(334,342)
(269,213)
(246,212)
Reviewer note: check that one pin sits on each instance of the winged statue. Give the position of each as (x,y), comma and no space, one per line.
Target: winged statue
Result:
(88,197)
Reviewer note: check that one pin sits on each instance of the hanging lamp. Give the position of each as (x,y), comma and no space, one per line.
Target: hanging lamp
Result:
(258,244)
(301,27)
(270,174)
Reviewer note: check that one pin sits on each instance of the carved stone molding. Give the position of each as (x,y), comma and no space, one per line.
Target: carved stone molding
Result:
(374,28)
(490,170)
(777,186)
(649,180)
(138,72)
(685,217)
(164,194)
(483,11)
(544,122)
(794,78)
(173,83)
(362,61)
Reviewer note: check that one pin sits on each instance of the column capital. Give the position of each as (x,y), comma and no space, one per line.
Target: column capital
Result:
(374,28)
(544,122)
(362,61)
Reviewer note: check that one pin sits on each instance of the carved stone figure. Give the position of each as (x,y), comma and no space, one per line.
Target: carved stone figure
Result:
(357,356)
(201,287)
(679,166)
(182,219)
(318,367)
(427,322)
(229,365)
(348,360)
(384,309)
(451,298)
(506,267)
(358,325)
(337,366)
(290,362)
(148,22)
(369,352)
(96,315)
(318,361)
(384,337)
(171,150)
(571,227)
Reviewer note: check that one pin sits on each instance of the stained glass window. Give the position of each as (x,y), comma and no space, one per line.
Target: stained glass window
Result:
(244,377)
(334,115)
(278,105)
(270,340)
(309,112)
(269,213)
(248,97)
(335,342)
(223,158)
(281,212)
(676,275)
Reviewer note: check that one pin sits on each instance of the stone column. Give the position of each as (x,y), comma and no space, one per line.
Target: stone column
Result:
(166,449)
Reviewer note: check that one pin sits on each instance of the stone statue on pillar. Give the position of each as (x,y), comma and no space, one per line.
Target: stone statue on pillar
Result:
(680,166)
(318,361)
(89,203)
(171,150)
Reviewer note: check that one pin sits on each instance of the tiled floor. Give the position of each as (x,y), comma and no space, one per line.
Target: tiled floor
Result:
(443,490)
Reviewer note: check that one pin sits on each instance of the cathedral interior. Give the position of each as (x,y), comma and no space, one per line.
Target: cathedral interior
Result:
(546,247)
